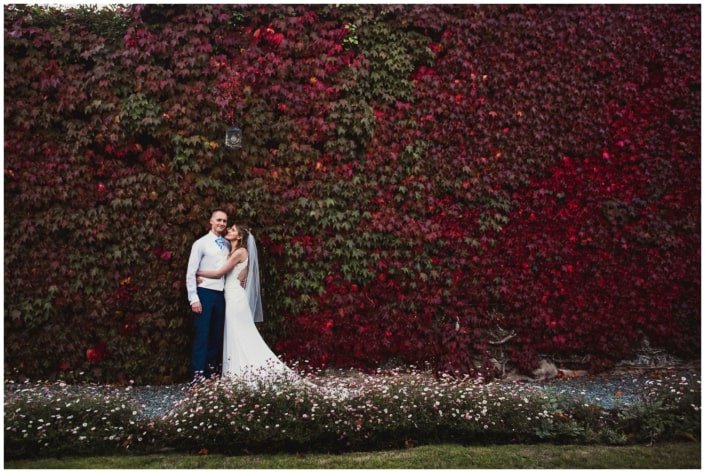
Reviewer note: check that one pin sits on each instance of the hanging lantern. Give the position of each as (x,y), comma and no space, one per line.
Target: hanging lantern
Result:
(233,138)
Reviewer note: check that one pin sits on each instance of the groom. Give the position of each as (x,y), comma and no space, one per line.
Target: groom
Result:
(207,300)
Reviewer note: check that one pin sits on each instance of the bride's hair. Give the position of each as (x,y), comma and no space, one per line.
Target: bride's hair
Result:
(244,233)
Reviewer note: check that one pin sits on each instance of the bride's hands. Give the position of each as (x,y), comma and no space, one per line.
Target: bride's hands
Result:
(199,280)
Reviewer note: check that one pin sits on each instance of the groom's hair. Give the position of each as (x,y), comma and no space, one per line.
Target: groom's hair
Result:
(218,210)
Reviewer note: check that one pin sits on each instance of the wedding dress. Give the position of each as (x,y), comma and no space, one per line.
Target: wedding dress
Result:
(244,351)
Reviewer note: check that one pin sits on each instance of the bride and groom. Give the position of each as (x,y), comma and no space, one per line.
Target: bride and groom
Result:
(224,312)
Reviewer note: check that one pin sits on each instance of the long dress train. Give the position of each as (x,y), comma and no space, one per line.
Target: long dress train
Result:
(244,351)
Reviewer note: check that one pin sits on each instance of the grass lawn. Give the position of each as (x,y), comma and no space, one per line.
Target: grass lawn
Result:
(664,456)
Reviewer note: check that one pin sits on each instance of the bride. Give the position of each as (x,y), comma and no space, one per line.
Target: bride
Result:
(244,350)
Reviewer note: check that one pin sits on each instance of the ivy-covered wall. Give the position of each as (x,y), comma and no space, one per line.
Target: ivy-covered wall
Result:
(423,180)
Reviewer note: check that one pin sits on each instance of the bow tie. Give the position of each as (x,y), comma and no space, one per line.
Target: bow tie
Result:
(222,242)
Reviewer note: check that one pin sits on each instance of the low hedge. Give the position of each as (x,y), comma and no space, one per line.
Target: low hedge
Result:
(337,414)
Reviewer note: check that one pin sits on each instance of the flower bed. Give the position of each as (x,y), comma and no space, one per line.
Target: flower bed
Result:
(44,419)
(390,410)
(375,412)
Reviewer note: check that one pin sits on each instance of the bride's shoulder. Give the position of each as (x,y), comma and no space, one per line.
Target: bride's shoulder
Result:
(240,254)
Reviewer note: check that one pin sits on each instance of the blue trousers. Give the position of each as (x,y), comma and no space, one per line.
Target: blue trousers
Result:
(207,357)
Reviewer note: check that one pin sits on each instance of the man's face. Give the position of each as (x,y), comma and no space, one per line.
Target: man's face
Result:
(219,220)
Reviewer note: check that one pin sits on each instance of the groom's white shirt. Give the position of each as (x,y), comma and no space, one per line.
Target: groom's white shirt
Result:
(205,255)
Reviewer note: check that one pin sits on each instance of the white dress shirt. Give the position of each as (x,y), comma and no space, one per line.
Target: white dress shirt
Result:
(205,255)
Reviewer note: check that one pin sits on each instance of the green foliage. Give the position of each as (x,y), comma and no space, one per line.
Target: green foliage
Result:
(416,175)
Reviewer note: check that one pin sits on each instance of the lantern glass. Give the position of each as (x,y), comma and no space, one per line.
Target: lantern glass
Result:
(233,138)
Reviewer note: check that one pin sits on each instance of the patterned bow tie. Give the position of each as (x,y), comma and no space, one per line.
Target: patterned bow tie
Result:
(222,242)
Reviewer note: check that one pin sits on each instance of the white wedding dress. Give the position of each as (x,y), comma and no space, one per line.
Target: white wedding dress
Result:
(245,354)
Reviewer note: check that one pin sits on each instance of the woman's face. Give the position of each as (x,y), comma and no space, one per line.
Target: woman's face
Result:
(232,234)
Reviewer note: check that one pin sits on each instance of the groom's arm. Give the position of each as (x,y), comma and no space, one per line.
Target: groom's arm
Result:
(243,277)
(193,262)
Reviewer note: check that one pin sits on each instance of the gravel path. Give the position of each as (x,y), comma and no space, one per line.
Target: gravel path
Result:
(607,391)
(157,400)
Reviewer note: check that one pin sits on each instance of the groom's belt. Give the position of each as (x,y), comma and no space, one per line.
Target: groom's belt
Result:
(199,288)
